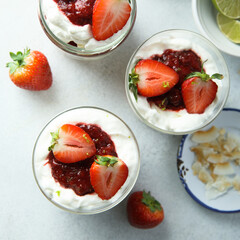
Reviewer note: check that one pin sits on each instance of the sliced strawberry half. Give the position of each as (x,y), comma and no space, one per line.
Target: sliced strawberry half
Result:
(109,16)
(72,144)
(199,91)
(151,78)
(107,175)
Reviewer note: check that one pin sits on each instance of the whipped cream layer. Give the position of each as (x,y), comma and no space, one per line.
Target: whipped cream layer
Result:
(62,28)
(168,120)
(126,148)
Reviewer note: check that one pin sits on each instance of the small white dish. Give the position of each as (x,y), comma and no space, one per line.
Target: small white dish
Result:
(204,15)
(229,119)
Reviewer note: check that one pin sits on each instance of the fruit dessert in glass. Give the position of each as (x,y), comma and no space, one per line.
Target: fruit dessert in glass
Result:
(87,28)
(173,82)
(86,160)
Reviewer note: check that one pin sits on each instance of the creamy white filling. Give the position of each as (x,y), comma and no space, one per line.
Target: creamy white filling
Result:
(61,27)
(126,148)
(176,121)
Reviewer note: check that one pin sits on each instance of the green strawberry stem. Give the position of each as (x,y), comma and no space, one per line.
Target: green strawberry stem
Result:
(55,137)
(151,202)
(106,161)
(18,60)
(203,75)
(132,83)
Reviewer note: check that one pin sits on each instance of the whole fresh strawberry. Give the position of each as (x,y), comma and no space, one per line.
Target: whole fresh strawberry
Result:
(199,91)
(30,70)
(107,175)
(109,16)
(71,144)
(151,78)
(143,210)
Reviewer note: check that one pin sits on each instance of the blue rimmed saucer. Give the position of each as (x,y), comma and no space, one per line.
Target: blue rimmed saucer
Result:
(229,119)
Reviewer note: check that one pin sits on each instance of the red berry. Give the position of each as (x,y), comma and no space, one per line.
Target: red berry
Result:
(199,90)
(198,94)
(72,144)
(109,16)
(30,70)
(144,211)
(107,175)
(152,78)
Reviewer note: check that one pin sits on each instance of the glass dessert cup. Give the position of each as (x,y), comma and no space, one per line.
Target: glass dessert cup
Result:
(81,52)
(170,121)
(66,198)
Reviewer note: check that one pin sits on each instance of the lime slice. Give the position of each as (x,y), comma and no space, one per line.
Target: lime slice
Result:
(229,27)
(229,8)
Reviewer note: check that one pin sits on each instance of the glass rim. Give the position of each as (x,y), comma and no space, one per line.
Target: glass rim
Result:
(82,52)
(212,46)
(102,209)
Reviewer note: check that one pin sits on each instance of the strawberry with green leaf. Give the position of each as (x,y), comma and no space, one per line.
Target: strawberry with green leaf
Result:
(151,78)
(199,91)
(71,144)
(144,211)
(107,175)
(30,70)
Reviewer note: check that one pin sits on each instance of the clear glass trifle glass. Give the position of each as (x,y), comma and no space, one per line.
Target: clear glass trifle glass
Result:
(177,82)
(66,170)
(73,27)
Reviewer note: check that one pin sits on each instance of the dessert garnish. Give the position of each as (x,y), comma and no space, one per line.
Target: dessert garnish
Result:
(109,16)
(182,61)
(30,70)
(108,174)
(73,176)
(151,78)
(174,80)
(71,144)
(76,162)
(199,91)
(79,12)
(217,157)
(144,211)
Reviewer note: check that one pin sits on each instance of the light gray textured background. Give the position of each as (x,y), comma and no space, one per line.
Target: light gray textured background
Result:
(25,213)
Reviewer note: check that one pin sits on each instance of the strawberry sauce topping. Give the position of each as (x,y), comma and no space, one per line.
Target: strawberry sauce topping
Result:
(183,62)
(79,12)
(76,175)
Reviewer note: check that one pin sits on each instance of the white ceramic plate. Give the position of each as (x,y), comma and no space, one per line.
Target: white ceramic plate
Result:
(229,119)
(204,15)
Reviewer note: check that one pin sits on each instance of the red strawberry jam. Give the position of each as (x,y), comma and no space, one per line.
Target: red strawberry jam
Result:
(79,12)
(76,175)
(183,62)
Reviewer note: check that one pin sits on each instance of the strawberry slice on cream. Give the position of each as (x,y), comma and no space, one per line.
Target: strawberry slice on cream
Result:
(72,144)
